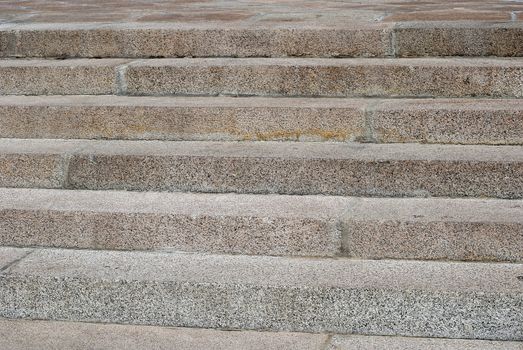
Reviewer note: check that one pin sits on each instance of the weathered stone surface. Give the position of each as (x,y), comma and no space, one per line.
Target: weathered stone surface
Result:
(200,40)
(375,228)
(344,342)
(10,255)
(435,228)
(430,77)
(464,121)
(58,77)
(248,224)
(7,41)
(182,118)
(458,39)
(278,167)
(462,300)
(266,76)
(254,28)
(45,335)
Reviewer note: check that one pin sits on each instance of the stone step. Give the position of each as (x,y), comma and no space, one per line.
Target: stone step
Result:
(401,77)
(144,40)
(59,335)
(463,121)
(368,228)
(378,297)
(349,169)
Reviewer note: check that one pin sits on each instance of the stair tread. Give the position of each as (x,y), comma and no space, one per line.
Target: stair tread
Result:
(441,299)
(268,149)
(404,228)
(44,335)
(352,169)
(460,277)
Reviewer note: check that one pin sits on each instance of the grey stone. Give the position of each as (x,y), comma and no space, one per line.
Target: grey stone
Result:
(372,228)
(45,335)
(10,255)
(435,228)
(280,167)
(430,77)
(144,40)
(59,77)
(415,39)
(343,342)
(425,299)
(459,121)
(248,224)
(182,118)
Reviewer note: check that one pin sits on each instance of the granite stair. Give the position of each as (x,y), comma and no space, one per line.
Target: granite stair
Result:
(253,175)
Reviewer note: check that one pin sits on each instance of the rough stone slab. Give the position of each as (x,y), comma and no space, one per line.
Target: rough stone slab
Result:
(10,255)
(199,40)
(59,77)
(47,335)
(369,228)
(415,39)
(31,170)
(426,299)
(7,41)
(434,228)
(56,335)
(182,118)
(465,121)
(344,77)
(421,120)
(344,342)
(280,167)
(248,224)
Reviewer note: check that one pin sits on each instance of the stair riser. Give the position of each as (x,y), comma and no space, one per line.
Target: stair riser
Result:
(430,314)
(346,177)
(264,77)
(459,121)
(406,40)
(354,79)
(369,228)
(156,231)
(185,123)
(337,236)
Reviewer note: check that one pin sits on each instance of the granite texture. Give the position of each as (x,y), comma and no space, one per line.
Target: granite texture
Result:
(460,121)
(247,224)
(435,228)
(45,335)
(31,170)
(429,77)
(131,28)
(199,40)
(58,77)
(344,77)
(453,300)
(453,121)
(9,256)
(343,342)
(371,228)
(416,39)
(182,118)
(276,167)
